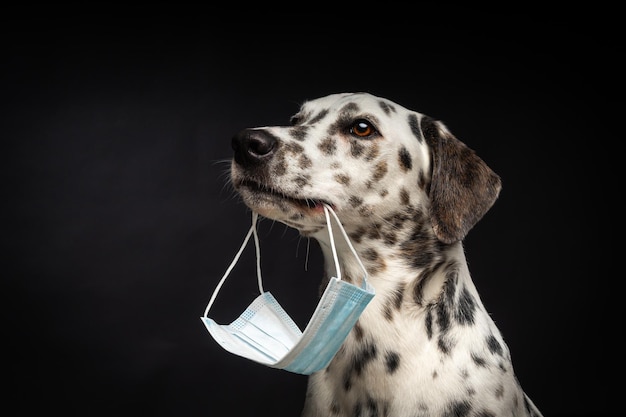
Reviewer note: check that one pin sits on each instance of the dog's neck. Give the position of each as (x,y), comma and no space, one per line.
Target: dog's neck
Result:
(423,274)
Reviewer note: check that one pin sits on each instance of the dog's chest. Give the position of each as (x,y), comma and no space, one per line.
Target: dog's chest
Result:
(407,364)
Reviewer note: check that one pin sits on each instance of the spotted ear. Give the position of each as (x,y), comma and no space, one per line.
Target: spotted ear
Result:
(462,187)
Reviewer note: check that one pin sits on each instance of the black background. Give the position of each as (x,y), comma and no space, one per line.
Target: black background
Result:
(119,219)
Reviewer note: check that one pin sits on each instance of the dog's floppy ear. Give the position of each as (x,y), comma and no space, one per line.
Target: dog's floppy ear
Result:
(462,187)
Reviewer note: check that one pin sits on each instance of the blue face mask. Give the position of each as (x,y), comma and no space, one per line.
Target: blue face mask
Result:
(266,334)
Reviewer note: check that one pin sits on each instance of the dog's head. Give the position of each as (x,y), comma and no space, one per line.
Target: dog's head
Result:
(367,157)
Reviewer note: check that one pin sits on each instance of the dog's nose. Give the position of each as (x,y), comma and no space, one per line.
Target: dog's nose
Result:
(252,146)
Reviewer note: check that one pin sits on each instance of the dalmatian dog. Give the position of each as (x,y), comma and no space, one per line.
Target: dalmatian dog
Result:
(407,192)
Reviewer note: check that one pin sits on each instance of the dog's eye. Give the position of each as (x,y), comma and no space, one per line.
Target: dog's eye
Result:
(362,128)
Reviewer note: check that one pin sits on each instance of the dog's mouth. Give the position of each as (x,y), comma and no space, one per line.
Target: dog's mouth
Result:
(262,192)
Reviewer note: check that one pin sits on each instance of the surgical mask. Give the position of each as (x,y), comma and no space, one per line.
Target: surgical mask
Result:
(266,334)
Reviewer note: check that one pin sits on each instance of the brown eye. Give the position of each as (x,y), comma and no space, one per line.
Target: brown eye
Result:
(362,128)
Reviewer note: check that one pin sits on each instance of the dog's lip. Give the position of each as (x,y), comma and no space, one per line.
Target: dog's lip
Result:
(306,202)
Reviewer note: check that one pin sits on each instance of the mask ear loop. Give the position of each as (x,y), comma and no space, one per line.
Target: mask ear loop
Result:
(332,241)
(346,238)
(251,232)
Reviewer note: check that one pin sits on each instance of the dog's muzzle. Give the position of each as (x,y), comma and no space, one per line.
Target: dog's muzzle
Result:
(262,191)
(253,147)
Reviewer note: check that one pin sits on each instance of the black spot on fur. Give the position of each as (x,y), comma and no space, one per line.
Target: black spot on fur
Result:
(372,406)
(387,108)
(390,238)
(493,345)
(398,219)
(376,262)
(347,378)
(392,361)
(398,296)
(319,116)
(342,179)
(349,109)
(443,317)
(422,247)
(444,344)
(388,312)
(299,132)
(379,171)
(457,409)
(429,324)
(443,309)
(405,197)
(419,250)
(452,278)
(356,148)
(466,307)
(365,211)
(374,231)
(357,235)
(294,148)
(422,182)
(394,302)
(499,391)
(344,120)
(355,201)
(364,357)
(484,413)
(327,146)
(415,127)
(371,254)
(405,159)
(478,360)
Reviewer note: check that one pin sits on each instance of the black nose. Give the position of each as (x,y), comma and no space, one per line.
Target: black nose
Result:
(252,146)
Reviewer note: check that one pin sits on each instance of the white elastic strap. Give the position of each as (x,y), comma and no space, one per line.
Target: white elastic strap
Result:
(332,241)
(257,247)
(346,238)
(251,232)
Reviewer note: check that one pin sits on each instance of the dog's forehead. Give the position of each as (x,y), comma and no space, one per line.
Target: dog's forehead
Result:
(357,102)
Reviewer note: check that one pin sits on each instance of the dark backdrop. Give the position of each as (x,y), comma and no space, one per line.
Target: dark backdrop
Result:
(119,220)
